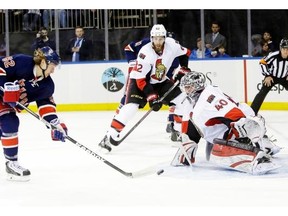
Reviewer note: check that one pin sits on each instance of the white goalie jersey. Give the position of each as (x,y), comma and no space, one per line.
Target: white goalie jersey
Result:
(211,110)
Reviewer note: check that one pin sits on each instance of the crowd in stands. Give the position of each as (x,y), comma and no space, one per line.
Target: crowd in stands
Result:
(42,21)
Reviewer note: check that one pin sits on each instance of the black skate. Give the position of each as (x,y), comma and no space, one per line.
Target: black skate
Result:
(176,136)
(105,144)
(169,127)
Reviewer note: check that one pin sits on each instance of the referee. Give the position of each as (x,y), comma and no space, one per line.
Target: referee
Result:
(274,67)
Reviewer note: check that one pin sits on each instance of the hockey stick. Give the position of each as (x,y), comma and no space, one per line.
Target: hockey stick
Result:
(136,174)
(147,113)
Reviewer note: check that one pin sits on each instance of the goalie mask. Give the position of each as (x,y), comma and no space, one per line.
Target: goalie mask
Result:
(192,82)
(46,53)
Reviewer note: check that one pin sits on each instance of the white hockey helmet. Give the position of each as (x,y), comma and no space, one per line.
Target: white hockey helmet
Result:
(158,30)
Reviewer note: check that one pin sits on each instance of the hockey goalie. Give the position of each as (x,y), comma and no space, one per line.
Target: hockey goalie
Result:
(237,138)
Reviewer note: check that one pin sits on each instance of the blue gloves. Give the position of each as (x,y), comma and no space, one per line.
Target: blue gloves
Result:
(60,132)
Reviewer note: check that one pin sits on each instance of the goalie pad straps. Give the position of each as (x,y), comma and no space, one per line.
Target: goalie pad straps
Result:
(186,152)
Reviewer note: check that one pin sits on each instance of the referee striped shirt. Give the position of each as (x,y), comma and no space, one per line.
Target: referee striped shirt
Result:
(274,65)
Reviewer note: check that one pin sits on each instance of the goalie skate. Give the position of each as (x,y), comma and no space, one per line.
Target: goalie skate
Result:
(105,145)
(269,146)
(263,164)
(16,173)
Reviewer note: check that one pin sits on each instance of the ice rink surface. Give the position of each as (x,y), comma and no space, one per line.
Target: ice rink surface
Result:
(67,180)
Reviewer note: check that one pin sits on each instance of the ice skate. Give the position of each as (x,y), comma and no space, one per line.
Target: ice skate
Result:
(176,136)
(105,145)
(263,164)
(268,146)
(16,173)
(169,127)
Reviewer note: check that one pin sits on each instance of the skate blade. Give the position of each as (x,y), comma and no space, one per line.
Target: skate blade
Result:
(266,168)
(11,177)
(103,150)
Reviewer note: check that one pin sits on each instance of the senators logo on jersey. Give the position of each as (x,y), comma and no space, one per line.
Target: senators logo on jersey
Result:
(160,71)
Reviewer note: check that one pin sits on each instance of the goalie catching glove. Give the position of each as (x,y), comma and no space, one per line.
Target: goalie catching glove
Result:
(180,73)
(59,131)
(154,102)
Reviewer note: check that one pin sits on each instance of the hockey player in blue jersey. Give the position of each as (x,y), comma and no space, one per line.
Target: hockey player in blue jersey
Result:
(26,79)
(131,52)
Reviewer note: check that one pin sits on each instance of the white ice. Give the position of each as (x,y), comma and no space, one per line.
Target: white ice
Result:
(67,179)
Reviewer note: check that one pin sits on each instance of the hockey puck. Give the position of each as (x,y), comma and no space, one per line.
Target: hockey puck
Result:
(160,172)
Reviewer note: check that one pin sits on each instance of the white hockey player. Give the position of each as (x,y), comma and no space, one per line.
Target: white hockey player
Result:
(238,136)
(148,81)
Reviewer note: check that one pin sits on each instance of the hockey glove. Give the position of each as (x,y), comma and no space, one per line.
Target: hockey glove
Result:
(182,71)
(154,102)
(60,132)
(11,93)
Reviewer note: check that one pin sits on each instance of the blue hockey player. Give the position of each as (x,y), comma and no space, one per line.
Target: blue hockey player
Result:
(25,79)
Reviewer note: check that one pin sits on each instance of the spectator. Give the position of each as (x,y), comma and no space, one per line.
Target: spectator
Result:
(268,38)
(214,39)
(31,20)
(221,53)
(264,51)
(79,47)
(3,47)
(256,44)
(62,16)
(43,40)
(197,52)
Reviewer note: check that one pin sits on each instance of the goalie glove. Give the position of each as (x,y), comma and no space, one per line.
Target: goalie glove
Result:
(180,73)
(60,132)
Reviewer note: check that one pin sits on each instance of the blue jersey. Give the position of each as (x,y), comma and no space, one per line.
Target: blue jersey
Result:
(132,50)
(16,67)
(21,67)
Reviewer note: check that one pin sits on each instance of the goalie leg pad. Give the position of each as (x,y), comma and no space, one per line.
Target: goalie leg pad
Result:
(243,160)
(186,152)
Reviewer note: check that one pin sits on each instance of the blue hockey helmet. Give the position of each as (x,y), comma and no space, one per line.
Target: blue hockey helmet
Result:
(50,55)
(46,53)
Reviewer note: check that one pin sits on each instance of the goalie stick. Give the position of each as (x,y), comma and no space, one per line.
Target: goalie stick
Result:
(146,114)
(144,172)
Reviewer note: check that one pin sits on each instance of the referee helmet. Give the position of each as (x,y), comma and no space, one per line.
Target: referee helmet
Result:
(284,43)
